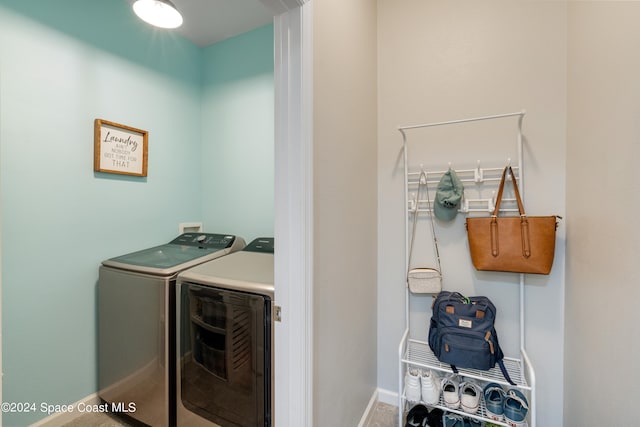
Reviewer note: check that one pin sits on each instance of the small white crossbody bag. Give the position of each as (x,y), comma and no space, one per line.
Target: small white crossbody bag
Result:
(424,280)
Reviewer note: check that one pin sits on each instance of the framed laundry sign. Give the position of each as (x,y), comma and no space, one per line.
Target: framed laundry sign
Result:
(119,149)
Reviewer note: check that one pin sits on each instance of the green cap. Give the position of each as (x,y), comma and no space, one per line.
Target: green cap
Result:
(448,195)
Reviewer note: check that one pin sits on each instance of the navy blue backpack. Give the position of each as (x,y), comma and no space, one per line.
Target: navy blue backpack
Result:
(462,333)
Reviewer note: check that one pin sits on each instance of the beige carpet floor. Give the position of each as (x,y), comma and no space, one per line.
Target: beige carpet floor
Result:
(384,416)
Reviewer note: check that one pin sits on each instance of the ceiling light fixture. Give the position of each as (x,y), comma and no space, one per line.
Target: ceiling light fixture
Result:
(160,13)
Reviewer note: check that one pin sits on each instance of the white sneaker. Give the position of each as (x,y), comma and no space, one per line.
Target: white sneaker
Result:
(412,385)
(450,387)
(470,397)
(430,387)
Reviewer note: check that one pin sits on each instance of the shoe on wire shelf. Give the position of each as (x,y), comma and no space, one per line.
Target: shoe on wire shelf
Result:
(452,420)
(430,384)
(412,390)
(450,391)
(417,416)
(494,401)
(470,396)
(516,408)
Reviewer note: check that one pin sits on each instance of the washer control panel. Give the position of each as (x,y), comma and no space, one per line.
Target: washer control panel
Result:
(204,240)
(261,244)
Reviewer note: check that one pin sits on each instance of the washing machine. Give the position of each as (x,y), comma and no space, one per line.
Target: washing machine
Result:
(224,350)
(136,324)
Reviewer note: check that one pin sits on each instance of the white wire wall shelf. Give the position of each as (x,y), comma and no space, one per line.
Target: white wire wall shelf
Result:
(416,353)
(476,176)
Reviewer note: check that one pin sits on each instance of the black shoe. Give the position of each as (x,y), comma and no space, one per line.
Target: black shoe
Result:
(434,418)
(417,416)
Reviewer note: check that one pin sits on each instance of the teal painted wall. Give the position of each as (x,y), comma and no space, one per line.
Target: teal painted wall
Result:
(58,72)
(237,135)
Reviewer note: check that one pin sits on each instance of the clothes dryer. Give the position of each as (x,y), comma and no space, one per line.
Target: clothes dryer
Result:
(136,324)
(225,340)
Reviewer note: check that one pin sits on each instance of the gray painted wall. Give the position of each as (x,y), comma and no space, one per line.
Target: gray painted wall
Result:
(444,60)
(345,220)
(602,344)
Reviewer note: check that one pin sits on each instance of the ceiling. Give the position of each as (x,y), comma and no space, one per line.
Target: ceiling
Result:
(210,21)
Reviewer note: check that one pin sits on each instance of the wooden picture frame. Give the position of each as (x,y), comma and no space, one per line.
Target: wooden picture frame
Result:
(119,149)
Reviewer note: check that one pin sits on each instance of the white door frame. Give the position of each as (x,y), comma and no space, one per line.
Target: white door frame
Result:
(293,228)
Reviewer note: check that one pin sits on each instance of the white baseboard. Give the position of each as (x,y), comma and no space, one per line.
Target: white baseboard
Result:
(61,418)
(379,395)
(368,412)
(388,397)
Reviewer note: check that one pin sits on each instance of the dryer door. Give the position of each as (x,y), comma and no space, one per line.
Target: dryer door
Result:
(224,357)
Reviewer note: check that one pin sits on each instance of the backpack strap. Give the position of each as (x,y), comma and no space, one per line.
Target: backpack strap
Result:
(505,373)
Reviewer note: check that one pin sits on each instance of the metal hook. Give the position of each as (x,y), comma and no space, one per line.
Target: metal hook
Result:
(423,179)
(465,204)
(491,203)
(477,174)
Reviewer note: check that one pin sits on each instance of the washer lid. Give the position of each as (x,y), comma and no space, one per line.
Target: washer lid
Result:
(183,252)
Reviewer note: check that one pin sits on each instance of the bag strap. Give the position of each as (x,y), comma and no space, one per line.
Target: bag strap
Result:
(423,174)
(415,220)
(515,190)
(524,222)
(433,229)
